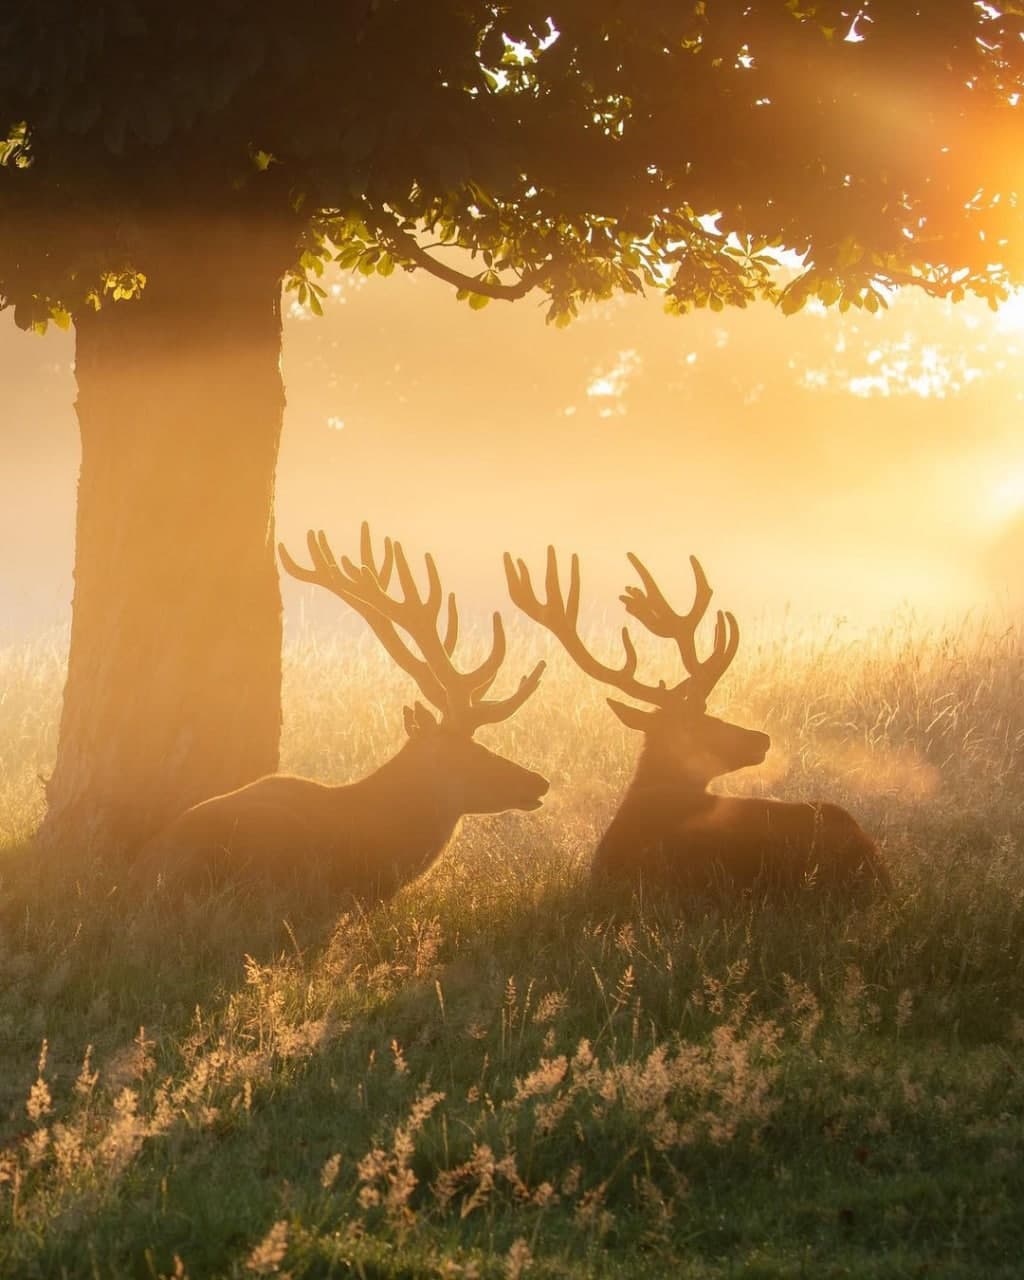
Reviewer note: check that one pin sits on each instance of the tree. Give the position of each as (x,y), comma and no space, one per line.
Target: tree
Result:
(168,166)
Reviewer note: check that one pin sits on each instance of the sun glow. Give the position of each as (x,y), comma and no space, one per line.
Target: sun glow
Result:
(1010,315)
(1005,499)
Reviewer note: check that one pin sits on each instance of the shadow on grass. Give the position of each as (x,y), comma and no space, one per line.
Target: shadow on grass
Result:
(444,990)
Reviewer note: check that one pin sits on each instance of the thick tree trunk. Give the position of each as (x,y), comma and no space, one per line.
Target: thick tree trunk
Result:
(173,687)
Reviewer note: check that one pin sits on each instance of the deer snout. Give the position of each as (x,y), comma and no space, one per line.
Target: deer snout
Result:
(535,788)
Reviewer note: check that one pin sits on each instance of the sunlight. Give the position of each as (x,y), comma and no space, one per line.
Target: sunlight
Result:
(1010,316)
(1005,500)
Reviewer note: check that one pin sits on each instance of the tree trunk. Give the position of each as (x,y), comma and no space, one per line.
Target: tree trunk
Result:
(174,674)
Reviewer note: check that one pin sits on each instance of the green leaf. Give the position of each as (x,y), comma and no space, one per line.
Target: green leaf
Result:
(829,290)
(792,301)
(348,255)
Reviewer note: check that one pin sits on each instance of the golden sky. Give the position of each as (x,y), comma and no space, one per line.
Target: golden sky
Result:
(835,465)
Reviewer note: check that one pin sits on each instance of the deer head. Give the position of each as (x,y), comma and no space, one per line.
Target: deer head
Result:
(685,739)
(473,779)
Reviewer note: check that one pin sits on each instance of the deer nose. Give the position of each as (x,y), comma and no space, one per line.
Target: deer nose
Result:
(535,785)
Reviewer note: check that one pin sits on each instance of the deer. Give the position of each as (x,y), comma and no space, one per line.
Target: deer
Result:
(670,830)
(370,837)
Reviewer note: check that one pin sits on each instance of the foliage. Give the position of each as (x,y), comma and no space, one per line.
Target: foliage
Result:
(503,1075)
(575,148)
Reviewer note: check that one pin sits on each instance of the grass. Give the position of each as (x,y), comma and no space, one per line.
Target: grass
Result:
(502,1074)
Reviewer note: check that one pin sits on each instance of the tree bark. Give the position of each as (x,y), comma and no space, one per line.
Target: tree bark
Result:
(174,674)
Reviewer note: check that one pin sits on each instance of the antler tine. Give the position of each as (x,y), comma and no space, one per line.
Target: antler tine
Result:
(293,568)
(356,579)
(503,708)
(320,550)
(649,607)
(325,571)
(483,677)
(382,572)
(652,610)
(465,688)
(483,711)
(459,694)
(418,615)
(726,643)
(428,606)
(520,588)
(360,588)
(560,615)
(569,607)
(451,631)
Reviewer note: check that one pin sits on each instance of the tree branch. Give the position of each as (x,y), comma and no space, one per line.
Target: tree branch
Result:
(907,279)
(407,246)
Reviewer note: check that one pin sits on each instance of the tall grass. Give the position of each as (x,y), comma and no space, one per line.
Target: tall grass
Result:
(504,1074)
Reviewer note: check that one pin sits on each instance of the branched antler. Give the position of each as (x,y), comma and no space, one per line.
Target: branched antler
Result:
(559,613)
(458,695)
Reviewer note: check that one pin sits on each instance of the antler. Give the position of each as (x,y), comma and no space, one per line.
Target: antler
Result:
(652,610)
(458,695)
(560,615)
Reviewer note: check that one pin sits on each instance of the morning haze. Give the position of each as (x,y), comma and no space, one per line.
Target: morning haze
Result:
(511,650)
(891,442)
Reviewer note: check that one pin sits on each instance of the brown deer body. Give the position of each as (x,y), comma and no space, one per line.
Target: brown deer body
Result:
(669,829)
(372,836)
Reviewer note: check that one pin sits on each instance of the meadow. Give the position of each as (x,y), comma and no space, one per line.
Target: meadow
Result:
(503,1073)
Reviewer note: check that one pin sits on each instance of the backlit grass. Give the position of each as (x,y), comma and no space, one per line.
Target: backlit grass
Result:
(500,1074)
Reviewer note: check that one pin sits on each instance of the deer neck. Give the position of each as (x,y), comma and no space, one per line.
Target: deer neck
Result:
(659,800)
(410,814)
(660,778)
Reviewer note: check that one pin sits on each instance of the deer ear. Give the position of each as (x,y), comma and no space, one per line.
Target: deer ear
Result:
(418,719)
(632,717)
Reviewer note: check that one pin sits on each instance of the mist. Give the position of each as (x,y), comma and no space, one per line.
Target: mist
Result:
(823,466)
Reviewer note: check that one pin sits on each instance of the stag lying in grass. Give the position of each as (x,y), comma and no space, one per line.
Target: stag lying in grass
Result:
(669,829)
(373,836)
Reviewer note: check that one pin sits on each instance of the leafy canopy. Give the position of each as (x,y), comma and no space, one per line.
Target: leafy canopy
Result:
(575,147)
